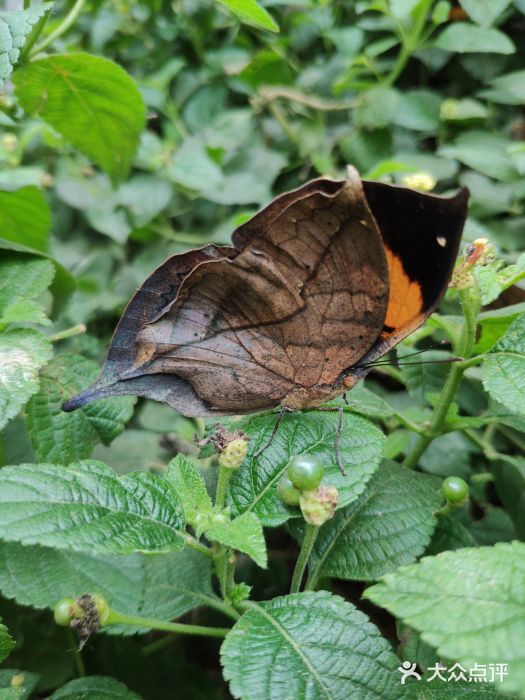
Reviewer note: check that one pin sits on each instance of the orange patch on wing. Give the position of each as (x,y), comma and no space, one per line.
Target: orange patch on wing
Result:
(405,302)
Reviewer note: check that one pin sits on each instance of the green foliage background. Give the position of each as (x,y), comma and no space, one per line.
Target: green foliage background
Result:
(130,131)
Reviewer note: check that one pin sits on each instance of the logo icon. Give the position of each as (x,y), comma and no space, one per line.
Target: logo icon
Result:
(408,670)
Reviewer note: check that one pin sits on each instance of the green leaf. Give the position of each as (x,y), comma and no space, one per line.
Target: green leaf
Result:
(244,533)
(22,354)
(253,486)
(159,587)
(190,486)
(24,681)
(425,379)
(192,167)
(495,526)
(6,642)
(464,37)
(25,218)
(412,648)
(436,689)
(493,324)
(484,152)
(507,89)
(454,110)
(251,12)
(493,280)
(15,27)
(95,688)
(469,605)
(85,507)
(308,645)
(389,525)
(509,480)
(362,400)
(449,534)
(63,283)
(376,108)
(91,101)
(21,280)
(64,437)
(402,8)
(418,110)
(484,12)
(504,368)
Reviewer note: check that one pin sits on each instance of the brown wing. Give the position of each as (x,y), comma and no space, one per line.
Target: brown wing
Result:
(304,297)
(421,233)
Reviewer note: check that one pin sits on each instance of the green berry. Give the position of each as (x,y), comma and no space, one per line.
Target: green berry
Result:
(102,607)
(454,489)
(65,611)
(287,491)
(305,472)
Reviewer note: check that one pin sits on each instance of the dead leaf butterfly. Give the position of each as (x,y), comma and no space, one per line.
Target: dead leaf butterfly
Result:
(319,284)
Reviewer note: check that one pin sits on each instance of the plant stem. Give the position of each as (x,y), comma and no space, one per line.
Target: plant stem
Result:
(33,36)
(62,28)
(195,544)
(310,536)
(225,475)
(270,93)
(470,306)
(409,43)
(79,661)
(68,333)
(410,425)
(116,618)
(224,568)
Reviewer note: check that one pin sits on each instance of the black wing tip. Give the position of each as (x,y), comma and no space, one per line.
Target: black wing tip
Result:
(92,394)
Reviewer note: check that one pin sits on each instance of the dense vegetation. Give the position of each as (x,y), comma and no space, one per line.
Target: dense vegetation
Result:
(134,130)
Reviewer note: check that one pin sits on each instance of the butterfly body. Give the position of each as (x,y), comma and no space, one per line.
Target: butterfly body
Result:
(317,285)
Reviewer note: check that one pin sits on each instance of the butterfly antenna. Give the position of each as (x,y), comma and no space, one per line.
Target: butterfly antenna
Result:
(444,361)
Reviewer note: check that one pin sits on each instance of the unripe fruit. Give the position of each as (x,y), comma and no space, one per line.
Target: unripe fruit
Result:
(305,472)
(233,454)
(66,610)
(287,491)
(319,506)
(102,607)
(455,490)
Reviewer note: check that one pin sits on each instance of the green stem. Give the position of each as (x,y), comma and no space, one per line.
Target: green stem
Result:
(77,655)
(409,43)
(33,36)
(410,425)
(195,544)
(470,306)
(225,475)
(62,28)
(117,618)
(224,568)
(68,333)
(310,536)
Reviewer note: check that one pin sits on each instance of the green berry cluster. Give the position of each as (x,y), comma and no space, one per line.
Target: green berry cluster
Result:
(301,486)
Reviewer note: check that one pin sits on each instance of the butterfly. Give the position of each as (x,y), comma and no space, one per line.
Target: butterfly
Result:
(314,288)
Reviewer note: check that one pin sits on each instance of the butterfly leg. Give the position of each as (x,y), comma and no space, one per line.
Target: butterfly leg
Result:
(338,432)
(278,420)
(345,398)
